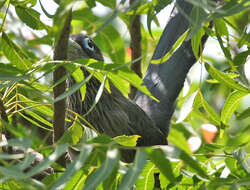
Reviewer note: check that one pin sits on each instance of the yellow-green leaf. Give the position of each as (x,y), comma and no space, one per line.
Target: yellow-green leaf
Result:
(125,140)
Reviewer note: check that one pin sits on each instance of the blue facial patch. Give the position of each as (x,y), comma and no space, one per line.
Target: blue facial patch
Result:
(87,44)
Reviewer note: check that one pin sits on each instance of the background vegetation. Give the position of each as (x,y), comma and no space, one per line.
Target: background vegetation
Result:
(222,100)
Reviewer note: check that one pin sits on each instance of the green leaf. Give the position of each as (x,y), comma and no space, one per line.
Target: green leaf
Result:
(20,142)
(178,139)
(194,164)
(130,178)
(231,104)
(77,181)
(109,3)
(11,156)
(73,167)
(198,18)
(79,76)
(121,86)
(38,117)
(173,49)
(6,78)
(12,172)
(110,41)
(134,80)
(125,140)
(14,53)
(196,42)
(223,78)
(60,149)
(76,131)
(164,165)
(44,10)
(103,172)
(209,5)
(161,4)
(150,16)
(226,50)
(73,89)
(146,179)
(42,109)
(212,114)
(230,8)
(30,17)
(27,161)
(8,70)
(34,122)
(2,3)
(187,107)
(243,158)
(98,95)
(221,27)
(91,3)
(243,115)
(240,59)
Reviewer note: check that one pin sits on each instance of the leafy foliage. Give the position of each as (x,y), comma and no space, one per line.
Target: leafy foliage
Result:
(26,91)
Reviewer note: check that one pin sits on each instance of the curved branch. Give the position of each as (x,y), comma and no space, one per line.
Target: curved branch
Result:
(166,80)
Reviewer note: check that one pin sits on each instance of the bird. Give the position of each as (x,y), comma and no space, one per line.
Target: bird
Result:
(114,114)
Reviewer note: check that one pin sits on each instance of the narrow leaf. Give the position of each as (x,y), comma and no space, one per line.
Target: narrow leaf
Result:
(221,27)
(14,53)
(197,19)
(243,158)
(193,164)
(30,17)
(20,142)
(146,179)
(164,165)
(196,42)
(241,58)
(135,81)
(178,139)
(34,122)
(98,95)
(243,115)
(223,78)
(38,117)
(231,104)
(27,161)
(73,89)
(12,172)
(187,107)
(212,114)
(60,149)
(72,169)
(173,49)
(79,76)
(103,172)
(130,178)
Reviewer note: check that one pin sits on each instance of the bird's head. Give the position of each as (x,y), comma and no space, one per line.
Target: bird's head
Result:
(81,46)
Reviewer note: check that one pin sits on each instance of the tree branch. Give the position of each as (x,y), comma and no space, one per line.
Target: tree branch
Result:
(60,53)
(166,80)
(135,45)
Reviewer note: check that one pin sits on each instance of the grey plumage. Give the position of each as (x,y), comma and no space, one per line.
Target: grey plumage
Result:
(114,114)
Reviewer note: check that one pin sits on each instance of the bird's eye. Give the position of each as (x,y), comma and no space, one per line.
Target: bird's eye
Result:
(88,44)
